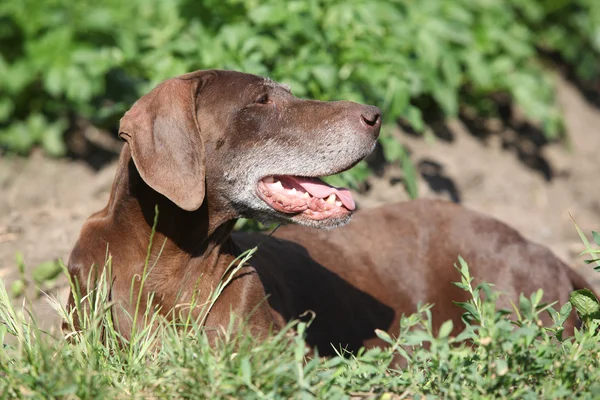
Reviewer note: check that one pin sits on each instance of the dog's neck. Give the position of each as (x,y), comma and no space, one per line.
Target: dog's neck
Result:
(187,235)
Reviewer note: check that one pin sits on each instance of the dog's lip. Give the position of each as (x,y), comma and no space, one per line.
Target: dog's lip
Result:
(302,189)
(309,197)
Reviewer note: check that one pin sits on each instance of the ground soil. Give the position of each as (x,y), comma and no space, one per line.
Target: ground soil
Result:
(502,168)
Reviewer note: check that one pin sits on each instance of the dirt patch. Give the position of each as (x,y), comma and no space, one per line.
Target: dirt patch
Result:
(43,204)
(508,174)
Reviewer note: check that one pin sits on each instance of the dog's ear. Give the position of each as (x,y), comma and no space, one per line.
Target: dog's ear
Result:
(162,131)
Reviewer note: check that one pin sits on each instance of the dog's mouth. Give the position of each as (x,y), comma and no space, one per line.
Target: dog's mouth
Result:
(310,197)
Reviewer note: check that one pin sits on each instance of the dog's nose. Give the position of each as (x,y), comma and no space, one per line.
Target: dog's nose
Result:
(371,117)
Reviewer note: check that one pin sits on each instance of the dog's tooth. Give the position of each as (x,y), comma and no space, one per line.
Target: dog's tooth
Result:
(269,179)
(278,185)
(331,199)
(306,195)
(293,190)
(338,203)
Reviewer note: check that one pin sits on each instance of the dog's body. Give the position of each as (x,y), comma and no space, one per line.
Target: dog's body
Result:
(212,146)
(368,273)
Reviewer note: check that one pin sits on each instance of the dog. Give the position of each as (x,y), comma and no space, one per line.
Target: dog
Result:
(209,147)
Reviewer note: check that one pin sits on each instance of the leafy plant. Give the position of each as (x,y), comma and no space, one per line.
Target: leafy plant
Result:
(63,59)
(44,275)
(568,28)
(584,300)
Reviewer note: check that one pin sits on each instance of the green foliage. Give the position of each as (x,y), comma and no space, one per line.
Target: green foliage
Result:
(586,304)
(45,276)
(62,58)
(494,355)
(569,28)
(593,252)
(584,300)
(46,271)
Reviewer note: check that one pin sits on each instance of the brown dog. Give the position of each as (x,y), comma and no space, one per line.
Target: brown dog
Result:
(212,146)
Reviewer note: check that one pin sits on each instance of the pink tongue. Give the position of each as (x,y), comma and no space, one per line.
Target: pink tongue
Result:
(320,189)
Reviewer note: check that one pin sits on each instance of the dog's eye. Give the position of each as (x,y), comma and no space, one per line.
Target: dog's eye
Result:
(263,99)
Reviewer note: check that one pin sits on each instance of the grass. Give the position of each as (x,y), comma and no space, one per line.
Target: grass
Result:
(493,357)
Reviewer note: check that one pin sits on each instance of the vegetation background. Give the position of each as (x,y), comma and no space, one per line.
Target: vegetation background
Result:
(491,103)
(63,60)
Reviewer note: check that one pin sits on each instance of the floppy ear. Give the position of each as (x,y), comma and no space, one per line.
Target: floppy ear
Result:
(162,131)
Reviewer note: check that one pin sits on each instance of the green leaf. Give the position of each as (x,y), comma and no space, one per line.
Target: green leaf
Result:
(428,47)
(17,288)
(464,268)
(52,139)
(596,236)
(501,367)
(326,75)
(417,337)
(565,312)
(524,305)
(46,271)
(446,329)
(383,335)
(6,108)
(268,14)
(246,369)
(469,308)
(415,118)
(584,239)
(451,70)
(592,261)
(446,97)
(537,297)
(586,304)
(410,175)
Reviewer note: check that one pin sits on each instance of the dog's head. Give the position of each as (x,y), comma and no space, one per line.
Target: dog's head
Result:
(249,145)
